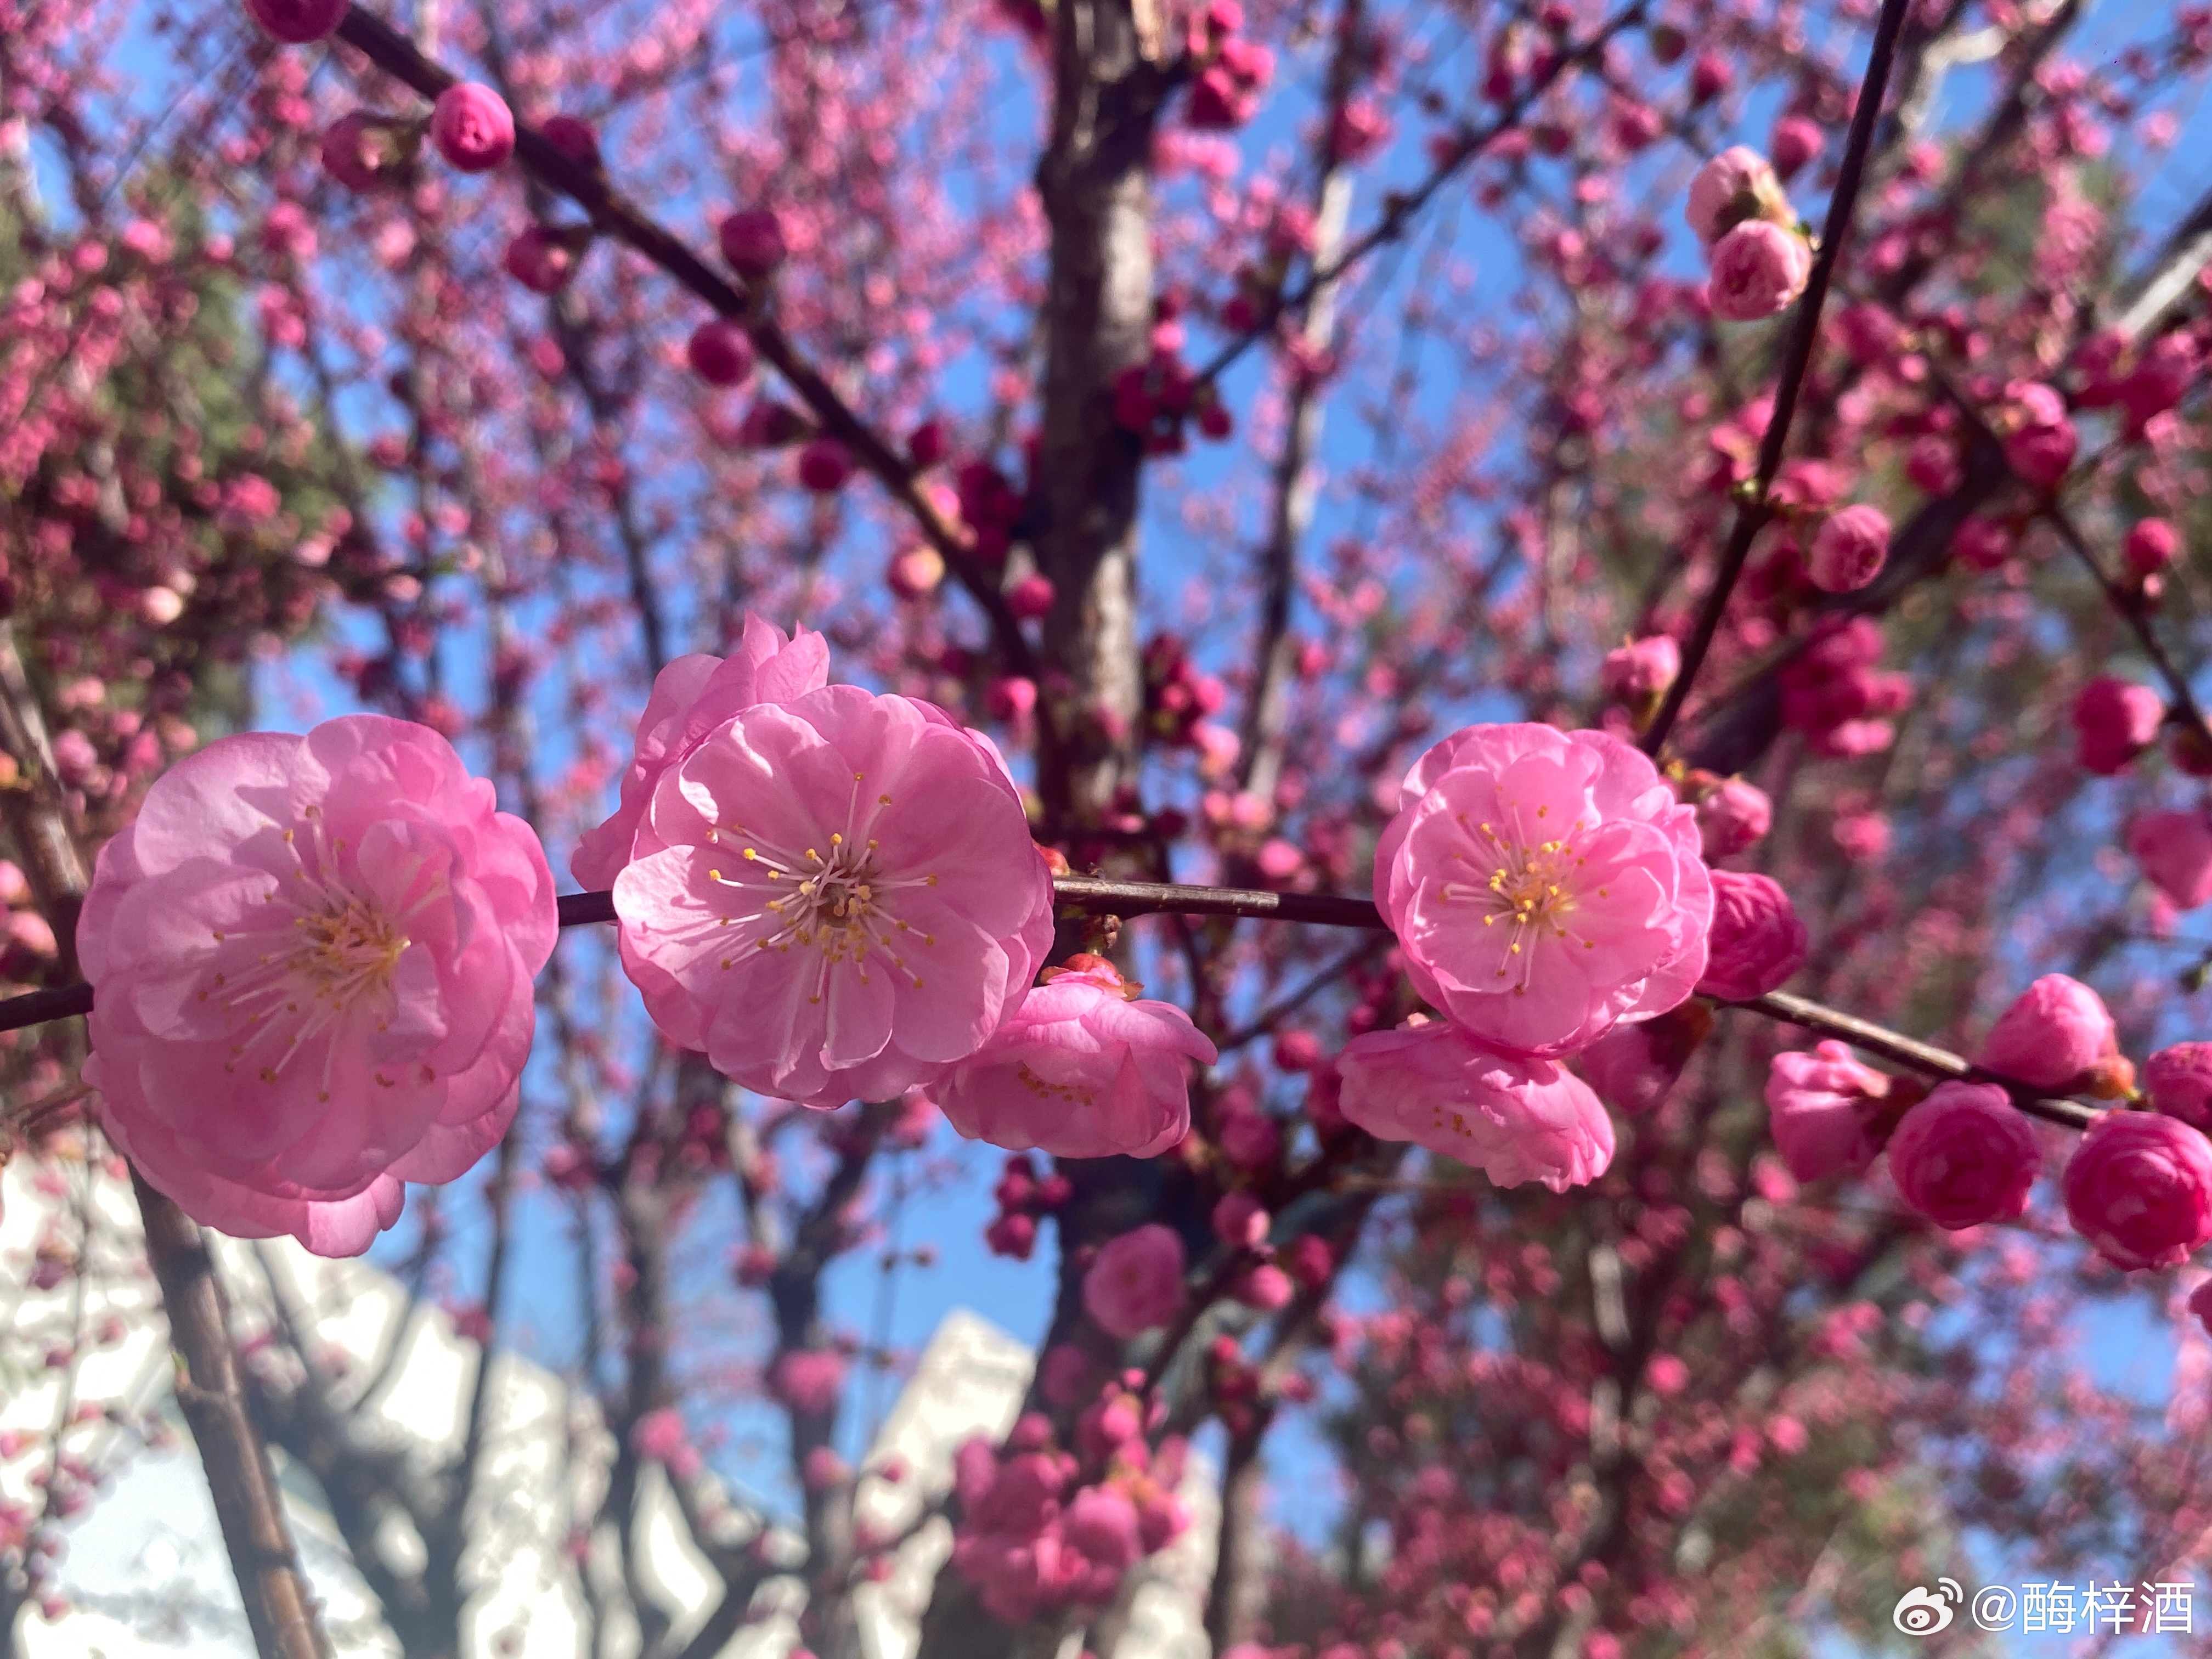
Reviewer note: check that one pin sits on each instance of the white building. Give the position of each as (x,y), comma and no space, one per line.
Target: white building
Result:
(145,1574)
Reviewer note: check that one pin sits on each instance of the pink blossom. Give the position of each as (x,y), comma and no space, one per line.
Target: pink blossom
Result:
(2041,454)
(721,354)
(1265,1287)
(1849,550)
(1515,1118)
(541,260)
(1635,1068)
(1825,1111)
(1136,1282)
(690,697)
(2174,851)
(2115,722)
(825,465)
(2055,1030)
(1642,670)
(1081,1069)
(2152,544)
(295,22)
(313,958)
(2178,1081)
(1965,1156)
(1250,1140)
(1544,885)
(1796,141)
(1734,186)
(659,1435)
(1757,270)
(834,897)
(809,1380)
(363,151)
(472,127)
(1239,1221)
(752,242)
(2139,1188)
(1757,941)
(1732,816)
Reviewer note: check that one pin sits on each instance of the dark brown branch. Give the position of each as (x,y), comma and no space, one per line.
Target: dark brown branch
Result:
(1753,511)
(1921,1056)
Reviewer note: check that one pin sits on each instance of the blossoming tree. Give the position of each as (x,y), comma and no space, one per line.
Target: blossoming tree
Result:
(1497,966)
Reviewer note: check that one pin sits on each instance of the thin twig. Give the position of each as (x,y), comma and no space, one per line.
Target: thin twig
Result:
(1754,509)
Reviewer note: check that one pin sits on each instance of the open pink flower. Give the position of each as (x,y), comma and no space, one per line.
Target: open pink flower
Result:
(1515,1119)
(2139,1188)
(313,958)
(2055,1030)
(1136,1283)
(690,697)
(1757,941)
(1825,1111)
(2174,850)
(1082,1069)
(834,897)
(1965,1156)
(1544,885)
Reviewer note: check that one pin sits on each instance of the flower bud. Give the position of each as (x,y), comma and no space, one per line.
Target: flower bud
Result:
(1965,1156)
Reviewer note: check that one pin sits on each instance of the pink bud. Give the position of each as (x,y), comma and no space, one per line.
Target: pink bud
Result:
(1265,1287)
(2179,1082)
(1135,1284)
(916,572)
(1030,597)
(752,242)
(1239,1221)
(574,137)
(1825,1111)
(1250,1140)
(825,465)
(1311,1260)
(2055,1030)
(2174,852)
(363,151)
(2151,546)
(295,22)
(1734,815)
(2115,720)
(1642,670)
(1734,186)
(2042,454)
(925,445)
(2139,1188)
(1757,942)
(1297,1051)
(1796,141)
(540,260)
(1849,550)
(472,127)
(1965,1156)
(722,354)
(1757,270)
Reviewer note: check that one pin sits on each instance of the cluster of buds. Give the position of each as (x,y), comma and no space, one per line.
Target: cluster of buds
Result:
(1232,71)
(1033,1536)
(1179,698)
(1153,398)
(1835,695)
(990,507)
(1023,1198)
